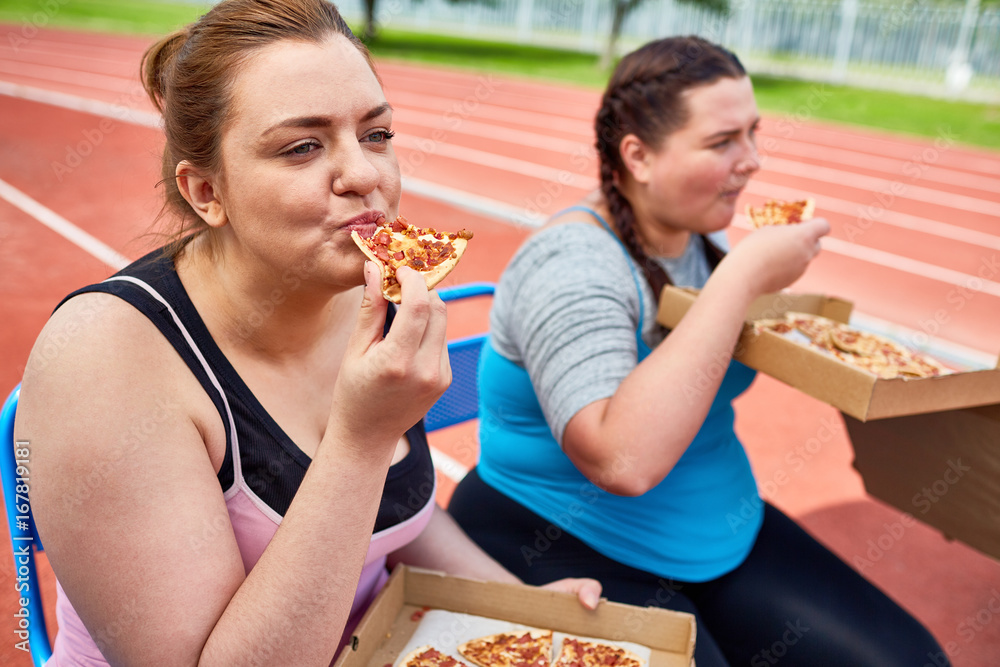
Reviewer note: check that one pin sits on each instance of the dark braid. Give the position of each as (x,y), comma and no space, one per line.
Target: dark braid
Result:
(643,98)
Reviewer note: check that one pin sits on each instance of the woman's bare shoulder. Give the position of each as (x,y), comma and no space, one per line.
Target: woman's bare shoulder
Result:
(100,348)
(94,329)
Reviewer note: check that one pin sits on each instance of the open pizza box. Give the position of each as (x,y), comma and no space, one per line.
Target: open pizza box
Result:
(406,601)
(929,446)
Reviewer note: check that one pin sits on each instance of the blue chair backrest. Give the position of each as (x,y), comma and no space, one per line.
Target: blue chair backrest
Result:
(461,401)
(15,469)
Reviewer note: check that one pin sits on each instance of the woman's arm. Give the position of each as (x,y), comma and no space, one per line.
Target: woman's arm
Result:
(632,440)
(444,546)
(131,513)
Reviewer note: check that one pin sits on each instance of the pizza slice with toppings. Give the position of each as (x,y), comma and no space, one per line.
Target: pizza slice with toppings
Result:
(868,351)
(580,653)
(428,656)
(530,648)
(778,212)
(395,244)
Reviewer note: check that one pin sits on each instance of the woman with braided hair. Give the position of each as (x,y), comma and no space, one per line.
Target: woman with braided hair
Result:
(607,446)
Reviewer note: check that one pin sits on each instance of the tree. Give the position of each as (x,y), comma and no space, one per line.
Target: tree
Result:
(624,7)
(370,28)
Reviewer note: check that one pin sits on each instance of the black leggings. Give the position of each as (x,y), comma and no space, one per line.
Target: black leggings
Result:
(791,602)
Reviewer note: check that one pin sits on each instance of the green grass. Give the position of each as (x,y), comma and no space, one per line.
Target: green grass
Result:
(965,122)
(531,61)
(139,17)
(972,124)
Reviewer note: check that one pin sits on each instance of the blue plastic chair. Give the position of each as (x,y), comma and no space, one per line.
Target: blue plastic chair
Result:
(23,536)
(461,401)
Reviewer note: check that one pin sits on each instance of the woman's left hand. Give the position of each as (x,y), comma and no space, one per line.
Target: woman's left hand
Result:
(587,590)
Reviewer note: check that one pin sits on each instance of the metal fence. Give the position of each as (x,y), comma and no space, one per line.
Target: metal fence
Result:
(907,44)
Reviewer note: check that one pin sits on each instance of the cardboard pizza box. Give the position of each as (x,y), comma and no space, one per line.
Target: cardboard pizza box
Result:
(851,390)
(941,467)
(929,447)
(397,610)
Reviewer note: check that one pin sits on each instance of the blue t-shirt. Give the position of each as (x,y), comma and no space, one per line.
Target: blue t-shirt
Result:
(702,519)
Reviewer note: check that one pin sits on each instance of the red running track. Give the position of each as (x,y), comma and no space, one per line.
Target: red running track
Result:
(915,244)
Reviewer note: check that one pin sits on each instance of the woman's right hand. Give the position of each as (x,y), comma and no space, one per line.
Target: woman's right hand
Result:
(772,258)
(387,384)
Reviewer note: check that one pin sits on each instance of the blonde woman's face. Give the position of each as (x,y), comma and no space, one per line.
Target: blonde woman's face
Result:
(698,173)
(308,157)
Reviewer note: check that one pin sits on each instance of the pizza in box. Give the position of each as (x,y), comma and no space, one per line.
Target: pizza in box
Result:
(528,648)
(870,352)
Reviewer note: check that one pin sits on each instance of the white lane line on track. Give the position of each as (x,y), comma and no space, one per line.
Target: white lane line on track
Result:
(904,264)
(63,227)
(916,169)
(477,129)
(895,189)
(448,466)
(76,103)
(488,208)
(494,161)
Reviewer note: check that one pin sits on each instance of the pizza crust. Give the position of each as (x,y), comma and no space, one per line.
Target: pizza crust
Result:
(413,659)
(543,637)
(433,274)
(594,653)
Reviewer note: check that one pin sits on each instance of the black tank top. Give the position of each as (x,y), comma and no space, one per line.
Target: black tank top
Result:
(271,463)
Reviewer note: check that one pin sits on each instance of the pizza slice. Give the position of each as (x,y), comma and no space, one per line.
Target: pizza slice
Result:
(428,656)
(580,653)
(867,351)
(777,212)
(855,342)
(530,648)
(430,252)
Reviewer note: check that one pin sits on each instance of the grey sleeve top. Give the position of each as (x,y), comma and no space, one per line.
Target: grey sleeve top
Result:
(567,310)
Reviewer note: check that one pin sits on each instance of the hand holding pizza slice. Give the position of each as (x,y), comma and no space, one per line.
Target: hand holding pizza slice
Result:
(777,212)
(431,253)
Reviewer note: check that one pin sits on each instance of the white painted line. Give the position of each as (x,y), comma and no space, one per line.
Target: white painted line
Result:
(63,227)
(448,466)
(912,266)
(886,188)
(457,110)
(494,161)
(903,264)
(115,111)
(922,170)
(58,75)
(440,124)
(489,208)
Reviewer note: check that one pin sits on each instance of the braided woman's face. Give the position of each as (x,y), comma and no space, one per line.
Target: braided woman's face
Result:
(692,181)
